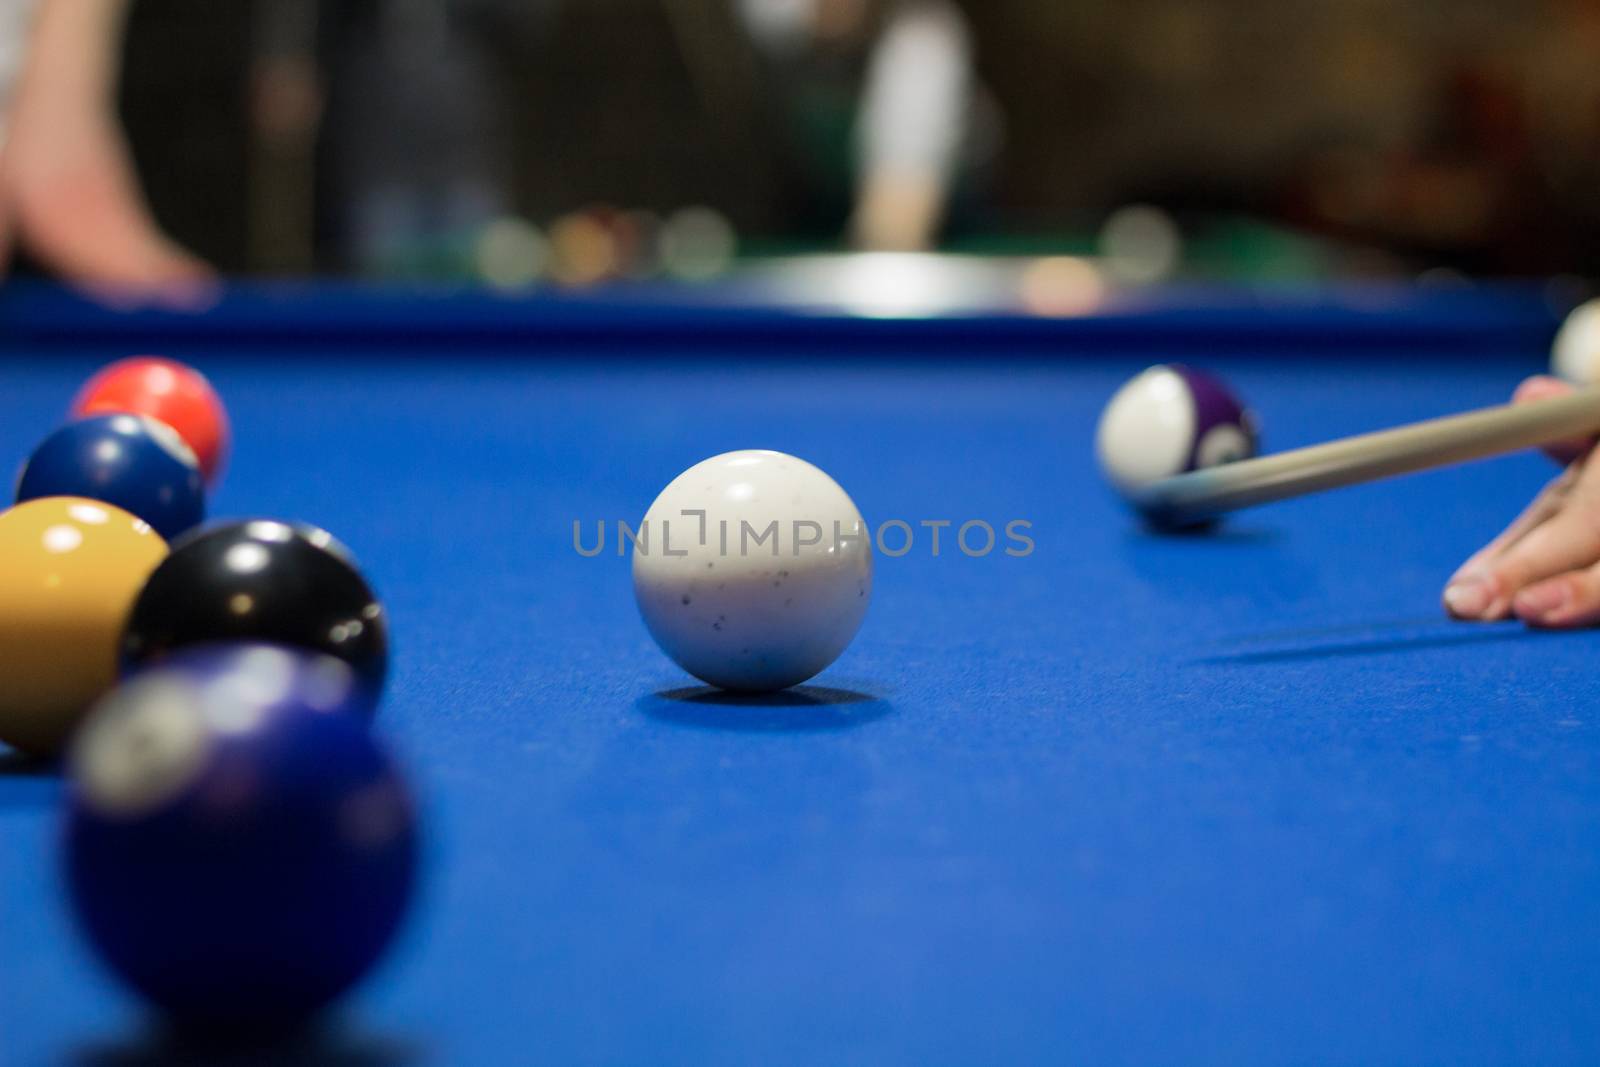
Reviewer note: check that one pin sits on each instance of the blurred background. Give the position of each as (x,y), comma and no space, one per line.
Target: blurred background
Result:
(537,142)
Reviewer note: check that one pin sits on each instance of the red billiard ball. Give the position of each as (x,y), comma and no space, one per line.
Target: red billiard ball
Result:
(167,390)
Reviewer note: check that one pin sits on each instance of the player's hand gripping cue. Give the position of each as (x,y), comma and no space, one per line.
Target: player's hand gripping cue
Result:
(1545,567)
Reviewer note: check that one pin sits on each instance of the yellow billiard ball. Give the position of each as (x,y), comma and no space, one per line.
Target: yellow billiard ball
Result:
(69,571)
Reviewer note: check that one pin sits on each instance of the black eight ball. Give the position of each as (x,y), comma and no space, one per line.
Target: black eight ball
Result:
(260,580)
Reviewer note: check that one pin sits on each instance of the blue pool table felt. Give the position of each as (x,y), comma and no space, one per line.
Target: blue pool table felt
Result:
(1238,798)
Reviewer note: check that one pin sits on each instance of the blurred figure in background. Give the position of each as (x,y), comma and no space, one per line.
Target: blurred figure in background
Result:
(383,135)
(845,118)
(792,120)
(68,192)
(880,95)
(875,98)
(416,144)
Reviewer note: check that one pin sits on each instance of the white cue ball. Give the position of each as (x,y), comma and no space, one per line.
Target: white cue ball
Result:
(730,611)
(1575,355)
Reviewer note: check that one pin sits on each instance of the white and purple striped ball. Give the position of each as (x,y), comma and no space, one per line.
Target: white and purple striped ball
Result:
(1168,420)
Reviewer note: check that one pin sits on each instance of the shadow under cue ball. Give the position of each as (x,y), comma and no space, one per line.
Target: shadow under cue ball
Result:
(773,586)
(69,571)
(260,580)
(239,849)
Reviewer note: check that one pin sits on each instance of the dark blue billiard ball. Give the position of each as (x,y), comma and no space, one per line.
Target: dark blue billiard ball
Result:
(140,465)
(239,849)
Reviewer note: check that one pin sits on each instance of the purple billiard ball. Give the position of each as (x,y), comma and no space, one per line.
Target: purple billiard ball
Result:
(1169,420)
(238,847)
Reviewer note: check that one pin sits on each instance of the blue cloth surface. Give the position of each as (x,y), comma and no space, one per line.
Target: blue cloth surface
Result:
(1235,798)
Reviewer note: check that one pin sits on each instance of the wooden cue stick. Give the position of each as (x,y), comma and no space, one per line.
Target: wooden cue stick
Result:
(1199,495)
